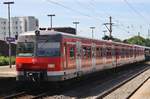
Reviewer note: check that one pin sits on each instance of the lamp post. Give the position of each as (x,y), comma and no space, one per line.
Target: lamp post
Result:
(51,16)
(92,28)
(8,3)
(76,23)
(105,32)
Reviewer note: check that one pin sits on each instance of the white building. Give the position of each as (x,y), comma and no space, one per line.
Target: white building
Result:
(17,25)
(3,28)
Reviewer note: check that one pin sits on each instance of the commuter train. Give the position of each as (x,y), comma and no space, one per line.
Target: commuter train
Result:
(147,53)
(58,56)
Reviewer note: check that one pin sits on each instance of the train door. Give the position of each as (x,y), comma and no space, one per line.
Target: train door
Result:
(113,56)
(78,57)
(104,54)
(116,55)
(93,56)
(69,56)
(65,56)
(134,53)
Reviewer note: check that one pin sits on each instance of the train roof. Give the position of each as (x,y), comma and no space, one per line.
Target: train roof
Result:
(146,47)
(52,32)
(44,32)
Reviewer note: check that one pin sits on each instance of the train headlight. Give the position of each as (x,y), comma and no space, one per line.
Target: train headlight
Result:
(19,65)
(51,65)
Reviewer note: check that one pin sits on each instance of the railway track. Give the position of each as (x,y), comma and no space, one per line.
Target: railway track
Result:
(133,75)
(109,91)
(102,87)
(51,93)
(25,94)
(15,95)
(138,88)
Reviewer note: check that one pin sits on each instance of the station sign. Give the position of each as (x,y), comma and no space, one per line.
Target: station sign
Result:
(10,39)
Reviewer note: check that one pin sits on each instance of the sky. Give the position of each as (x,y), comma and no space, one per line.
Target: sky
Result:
(129,16)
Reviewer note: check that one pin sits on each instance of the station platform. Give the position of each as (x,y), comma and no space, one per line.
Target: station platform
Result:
(143,92)
(5,71)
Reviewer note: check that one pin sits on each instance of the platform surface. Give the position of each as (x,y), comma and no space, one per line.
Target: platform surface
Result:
(5,71)
(143,92)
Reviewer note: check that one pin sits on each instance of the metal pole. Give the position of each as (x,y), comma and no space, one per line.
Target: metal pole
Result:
(148,33)
(92,34)
(76,28)
(92,28)
(105,32)
(9,36)
(8,3)
(110,26)
(4,36)
(51,22)
(76,23)
(51,15)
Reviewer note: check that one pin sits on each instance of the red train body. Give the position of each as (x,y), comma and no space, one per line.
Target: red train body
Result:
(56,56)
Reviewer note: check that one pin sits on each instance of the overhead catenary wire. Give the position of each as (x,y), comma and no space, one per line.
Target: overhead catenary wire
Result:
(118,21)
(74,10)
(68,8)
(136,11)
(89,8)
(92,4)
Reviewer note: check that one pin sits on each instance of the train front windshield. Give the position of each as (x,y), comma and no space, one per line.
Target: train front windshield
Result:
(48,49)
(25,49)
(42,46)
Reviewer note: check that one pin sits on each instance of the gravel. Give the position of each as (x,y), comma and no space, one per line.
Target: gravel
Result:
(124,91)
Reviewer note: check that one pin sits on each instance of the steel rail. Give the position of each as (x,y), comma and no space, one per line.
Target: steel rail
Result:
(15,95)
(138,88)
(102,95)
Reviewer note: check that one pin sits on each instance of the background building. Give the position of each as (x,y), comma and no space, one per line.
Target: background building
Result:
(17,25)
(3,28)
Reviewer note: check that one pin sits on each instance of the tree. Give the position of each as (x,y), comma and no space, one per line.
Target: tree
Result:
(116,40)
(147,42)
(136,40)
(106,37)
(111,38)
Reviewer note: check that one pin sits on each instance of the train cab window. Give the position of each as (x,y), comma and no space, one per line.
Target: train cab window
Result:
(72,53)
(25,49)
(48,49)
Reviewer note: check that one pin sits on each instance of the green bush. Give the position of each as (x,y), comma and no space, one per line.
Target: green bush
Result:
(5,60)
(13,59)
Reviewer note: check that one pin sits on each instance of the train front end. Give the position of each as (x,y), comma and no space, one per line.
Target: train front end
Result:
(38,57)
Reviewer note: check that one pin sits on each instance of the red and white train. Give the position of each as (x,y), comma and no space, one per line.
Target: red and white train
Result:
(57,56)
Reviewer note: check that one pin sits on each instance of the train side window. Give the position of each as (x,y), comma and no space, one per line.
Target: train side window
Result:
(86,52)
(103,52)
(109,53)
(98,52)
(72,53)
